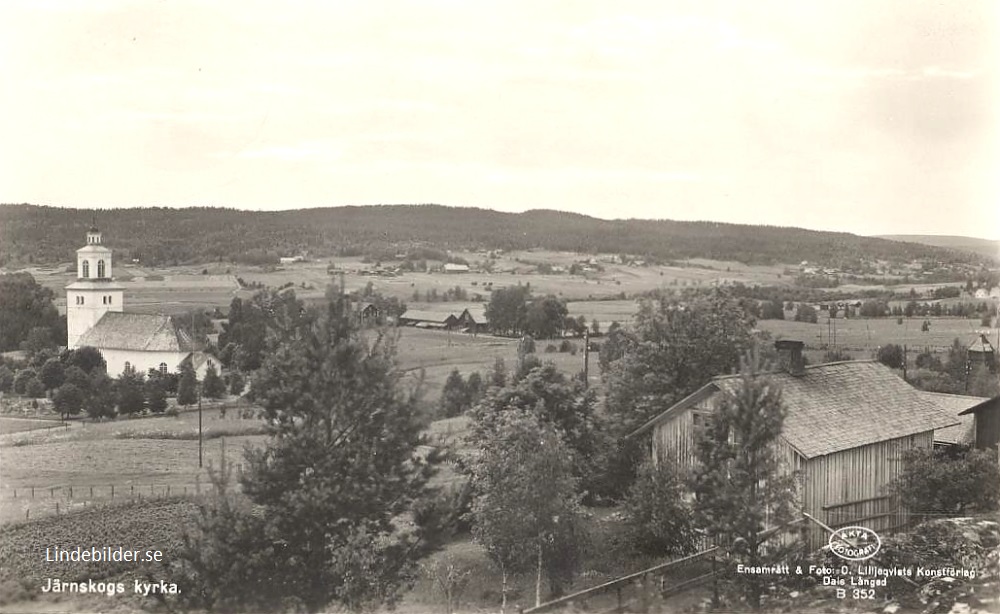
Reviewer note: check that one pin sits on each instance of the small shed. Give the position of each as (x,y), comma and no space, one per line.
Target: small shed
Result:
(846,429)
(963,433)
(986,416)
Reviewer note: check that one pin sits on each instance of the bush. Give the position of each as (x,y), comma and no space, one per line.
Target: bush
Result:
(567,346)
(551,348)
(836,356)
(21,380)
(949,481)
(658,521)
(891,355)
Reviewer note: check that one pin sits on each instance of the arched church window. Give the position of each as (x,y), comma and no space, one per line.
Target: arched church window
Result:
(100,268)
(163,368)
(86,268)
(129,368)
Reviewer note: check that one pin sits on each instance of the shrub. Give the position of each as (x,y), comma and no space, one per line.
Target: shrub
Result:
(891,355)
(21,380)
(836,356)
(551,348)
(566,346)
(949,481)
(658,520)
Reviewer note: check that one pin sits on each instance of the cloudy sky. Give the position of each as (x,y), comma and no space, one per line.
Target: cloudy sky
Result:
(863,116)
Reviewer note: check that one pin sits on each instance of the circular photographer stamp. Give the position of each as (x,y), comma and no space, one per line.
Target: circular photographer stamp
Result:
(855,543)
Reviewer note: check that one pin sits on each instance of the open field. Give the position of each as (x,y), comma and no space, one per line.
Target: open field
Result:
(214,284)
(605,312)
(867,334)
(9,425)
(437,353)
(77,466)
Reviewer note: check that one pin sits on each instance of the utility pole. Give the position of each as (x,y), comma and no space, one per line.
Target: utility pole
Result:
(199,429)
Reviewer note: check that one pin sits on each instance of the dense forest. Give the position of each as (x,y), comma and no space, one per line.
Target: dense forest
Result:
(32,234)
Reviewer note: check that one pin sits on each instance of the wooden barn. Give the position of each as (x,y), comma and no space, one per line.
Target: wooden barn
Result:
(427,318)
(368,313)
(846,428)
(986,424)
(473,319)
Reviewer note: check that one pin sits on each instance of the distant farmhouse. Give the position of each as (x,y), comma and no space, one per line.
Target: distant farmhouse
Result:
(846,428)
(465,318)
(368,313)
(129,342)
(451,267)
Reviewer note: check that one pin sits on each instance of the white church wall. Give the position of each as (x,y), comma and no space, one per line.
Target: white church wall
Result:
(141,361)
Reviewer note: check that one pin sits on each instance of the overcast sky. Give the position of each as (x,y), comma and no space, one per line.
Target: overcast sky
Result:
(867,117)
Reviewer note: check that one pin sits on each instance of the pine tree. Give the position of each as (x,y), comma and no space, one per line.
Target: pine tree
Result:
(324,497)
(740,488)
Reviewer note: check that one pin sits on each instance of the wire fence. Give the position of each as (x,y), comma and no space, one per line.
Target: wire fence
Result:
(28,502)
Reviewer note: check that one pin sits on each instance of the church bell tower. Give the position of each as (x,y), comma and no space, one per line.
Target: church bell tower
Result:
(94,292)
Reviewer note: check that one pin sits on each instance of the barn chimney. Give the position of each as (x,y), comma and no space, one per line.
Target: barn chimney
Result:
(790,356)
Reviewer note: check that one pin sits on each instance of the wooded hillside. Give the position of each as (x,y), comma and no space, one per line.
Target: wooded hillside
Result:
(32,234)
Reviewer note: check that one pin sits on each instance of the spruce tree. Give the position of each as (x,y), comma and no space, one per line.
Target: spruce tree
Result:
(187,388)
(212,385)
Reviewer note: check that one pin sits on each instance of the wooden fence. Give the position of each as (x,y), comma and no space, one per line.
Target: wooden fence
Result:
(663,580)
(640,590)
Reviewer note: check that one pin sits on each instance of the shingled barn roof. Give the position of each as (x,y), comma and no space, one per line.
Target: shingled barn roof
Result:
(839,406)
(138,331)
(955,404)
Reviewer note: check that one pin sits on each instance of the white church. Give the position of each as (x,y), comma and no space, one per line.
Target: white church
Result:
(129,342)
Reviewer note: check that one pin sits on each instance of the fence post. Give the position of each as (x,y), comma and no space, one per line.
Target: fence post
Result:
(32,492)
(91,491)
(715,583)
(112,491)
(70,492)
